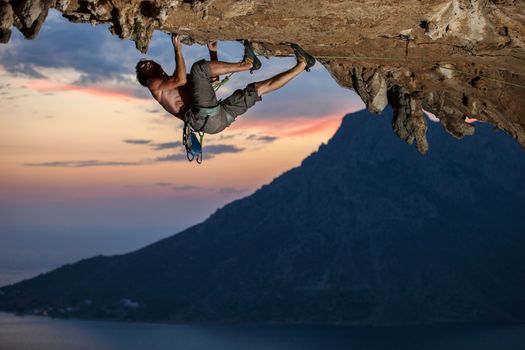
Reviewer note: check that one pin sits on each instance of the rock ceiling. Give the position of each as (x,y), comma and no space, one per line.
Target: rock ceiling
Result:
(457,59)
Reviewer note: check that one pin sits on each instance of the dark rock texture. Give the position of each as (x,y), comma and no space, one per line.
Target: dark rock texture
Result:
(365,231)
(454,58)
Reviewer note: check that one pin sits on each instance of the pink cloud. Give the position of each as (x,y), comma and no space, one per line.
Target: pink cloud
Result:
(328,123)
(291,126)
(42,85)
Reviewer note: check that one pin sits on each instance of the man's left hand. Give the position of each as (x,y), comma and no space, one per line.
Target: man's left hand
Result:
(212,46)
(175,40)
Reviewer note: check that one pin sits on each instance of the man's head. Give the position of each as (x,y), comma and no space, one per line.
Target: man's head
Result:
(147,69)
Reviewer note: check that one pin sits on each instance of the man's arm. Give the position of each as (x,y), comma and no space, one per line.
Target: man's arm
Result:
(179,76)
(180,66)
(212,49)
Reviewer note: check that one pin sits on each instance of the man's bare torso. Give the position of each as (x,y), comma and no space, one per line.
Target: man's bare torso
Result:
(175,101)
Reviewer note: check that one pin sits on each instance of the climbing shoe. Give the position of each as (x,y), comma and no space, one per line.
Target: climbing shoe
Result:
(249,56)
(303,56)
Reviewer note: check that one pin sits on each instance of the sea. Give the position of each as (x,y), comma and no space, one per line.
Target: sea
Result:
(41,333)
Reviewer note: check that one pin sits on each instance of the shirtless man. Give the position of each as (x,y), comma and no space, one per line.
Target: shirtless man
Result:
(192,98)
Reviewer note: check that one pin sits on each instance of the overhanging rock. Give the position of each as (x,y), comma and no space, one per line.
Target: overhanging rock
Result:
(458,59)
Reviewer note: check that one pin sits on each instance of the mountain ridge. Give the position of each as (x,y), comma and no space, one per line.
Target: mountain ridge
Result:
(365,231)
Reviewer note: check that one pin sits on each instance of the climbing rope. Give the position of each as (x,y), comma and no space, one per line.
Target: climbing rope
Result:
(224,81)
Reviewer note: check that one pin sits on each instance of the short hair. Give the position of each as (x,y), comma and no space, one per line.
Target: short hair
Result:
(141,77)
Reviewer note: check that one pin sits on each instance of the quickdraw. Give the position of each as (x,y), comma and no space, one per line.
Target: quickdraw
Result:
(191,143)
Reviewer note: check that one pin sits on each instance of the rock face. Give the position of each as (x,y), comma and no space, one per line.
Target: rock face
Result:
(365,231)
(458,59)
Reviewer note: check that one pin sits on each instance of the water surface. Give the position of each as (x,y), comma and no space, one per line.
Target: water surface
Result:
(31,332)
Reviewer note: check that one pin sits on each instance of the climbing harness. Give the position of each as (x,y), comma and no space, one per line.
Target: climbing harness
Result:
(190,141)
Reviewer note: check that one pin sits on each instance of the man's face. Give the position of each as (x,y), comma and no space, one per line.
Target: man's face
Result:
(149,67)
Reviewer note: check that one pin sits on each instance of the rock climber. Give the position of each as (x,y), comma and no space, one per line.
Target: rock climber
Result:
(192,97)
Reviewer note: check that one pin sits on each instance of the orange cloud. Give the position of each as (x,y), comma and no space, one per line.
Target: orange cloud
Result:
(42,85)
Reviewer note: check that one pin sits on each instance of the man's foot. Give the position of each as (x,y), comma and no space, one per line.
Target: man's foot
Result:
(250,57)
(303,56)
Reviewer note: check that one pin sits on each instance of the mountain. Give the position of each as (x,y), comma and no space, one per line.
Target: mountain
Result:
(365,231)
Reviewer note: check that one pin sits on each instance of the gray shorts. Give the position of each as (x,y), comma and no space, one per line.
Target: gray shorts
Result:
(204,96)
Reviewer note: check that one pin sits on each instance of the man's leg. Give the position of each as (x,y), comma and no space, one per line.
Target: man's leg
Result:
(278,81)
(239,102)
(249,62)
(203,93)
(202,72)
(220,68)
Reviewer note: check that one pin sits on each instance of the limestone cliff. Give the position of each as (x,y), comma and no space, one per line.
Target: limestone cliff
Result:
(458,59)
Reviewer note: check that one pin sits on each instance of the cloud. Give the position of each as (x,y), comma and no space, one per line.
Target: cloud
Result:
(219,149)
(315,126)
(60,44)
(82,164)
(232,190)
(92,51)
(155,146)
(163,184)
(23,69)
(209,153)
(138,142)
(98,57)
(292,127)
(167,145)
(186,188)
(228,136)
(172,158)
(118,92)
(98,163)
(262,138)
(97,78)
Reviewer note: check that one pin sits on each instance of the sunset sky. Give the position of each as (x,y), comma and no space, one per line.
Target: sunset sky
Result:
(91,164)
